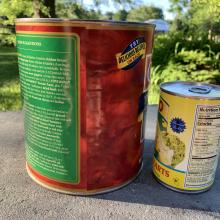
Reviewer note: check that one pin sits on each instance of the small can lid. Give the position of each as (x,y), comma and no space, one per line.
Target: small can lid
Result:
(192,89)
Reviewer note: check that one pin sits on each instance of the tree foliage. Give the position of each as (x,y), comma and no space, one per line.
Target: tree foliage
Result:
(118,4)
(205,16)
(44,8)
(198,18)
(12,9)
(120,15)
(143,13)
(76,11)
(178,6)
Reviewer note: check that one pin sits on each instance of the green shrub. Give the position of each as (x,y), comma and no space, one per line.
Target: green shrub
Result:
(8,40)
(166,45)
(172,72)
(186,65)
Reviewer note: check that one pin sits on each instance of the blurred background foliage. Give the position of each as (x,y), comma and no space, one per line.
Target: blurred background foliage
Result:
(190,50)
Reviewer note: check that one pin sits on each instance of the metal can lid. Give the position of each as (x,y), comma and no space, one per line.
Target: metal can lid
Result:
(192,89)
(85,22)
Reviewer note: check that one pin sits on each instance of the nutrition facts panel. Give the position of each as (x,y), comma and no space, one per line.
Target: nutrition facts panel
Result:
(204,147)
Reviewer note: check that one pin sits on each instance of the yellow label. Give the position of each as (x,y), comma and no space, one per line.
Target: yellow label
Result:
(167,175)
(187,143)
(125,59)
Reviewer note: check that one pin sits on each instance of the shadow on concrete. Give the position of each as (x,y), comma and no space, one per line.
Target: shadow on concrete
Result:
(146,190)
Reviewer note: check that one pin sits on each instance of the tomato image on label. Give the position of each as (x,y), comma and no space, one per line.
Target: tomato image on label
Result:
(132,54)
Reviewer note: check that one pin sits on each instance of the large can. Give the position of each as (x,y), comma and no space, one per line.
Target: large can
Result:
(81,83)
(188,136)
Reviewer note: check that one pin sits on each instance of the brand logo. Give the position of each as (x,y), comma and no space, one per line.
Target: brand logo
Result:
(177,125)
(132,54)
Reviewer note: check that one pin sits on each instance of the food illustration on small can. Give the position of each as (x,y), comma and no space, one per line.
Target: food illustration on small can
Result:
(171,149)
(187,140)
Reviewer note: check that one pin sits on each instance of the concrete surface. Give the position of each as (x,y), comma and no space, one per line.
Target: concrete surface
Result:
(21,198)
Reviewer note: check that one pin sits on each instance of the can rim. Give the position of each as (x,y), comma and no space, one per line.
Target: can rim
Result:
(162,85)
(86,192)
(186,191)
(85,21)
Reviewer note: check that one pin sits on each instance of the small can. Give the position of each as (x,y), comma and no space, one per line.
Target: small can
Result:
(188,136)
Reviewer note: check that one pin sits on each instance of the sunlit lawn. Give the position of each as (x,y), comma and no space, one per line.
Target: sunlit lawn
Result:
(9,80)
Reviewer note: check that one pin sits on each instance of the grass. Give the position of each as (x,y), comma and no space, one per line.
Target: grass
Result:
(9,80)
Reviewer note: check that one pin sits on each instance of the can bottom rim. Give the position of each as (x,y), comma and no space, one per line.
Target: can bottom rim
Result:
(181,190)
(84,193)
